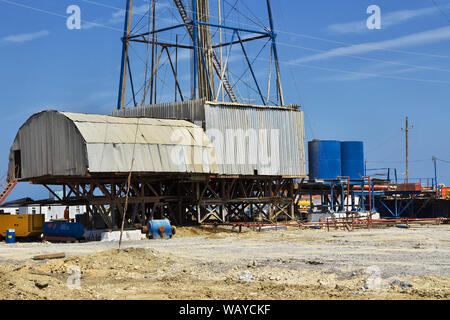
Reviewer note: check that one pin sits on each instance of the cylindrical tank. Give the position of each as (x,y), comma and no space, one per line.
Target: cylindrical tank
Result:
(10,236)
(63,229)
(324,158)
(160,229)
(352,157)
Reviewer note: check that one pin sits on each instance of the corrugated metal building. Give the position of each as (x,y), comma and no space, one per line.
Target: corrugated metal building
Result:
(53,143)
(279,149)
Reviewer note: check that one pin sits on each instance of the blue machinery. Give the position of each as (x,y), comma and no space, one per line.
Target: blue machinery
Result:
(338,175)
(191,25)
(344,196)
(334,195)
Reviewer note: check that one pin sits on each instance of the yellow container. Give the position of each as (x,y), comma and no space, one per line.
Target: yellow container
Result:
(304,206)
(26,225)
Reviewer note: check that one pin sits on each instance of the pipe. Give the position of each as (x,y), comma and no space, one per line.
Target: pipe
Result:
(348,191)
(123,72)
(370,193)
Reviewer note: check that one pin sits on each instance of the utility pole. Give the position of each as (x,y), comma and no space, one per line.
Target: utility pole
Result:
(435,173)
(406,129)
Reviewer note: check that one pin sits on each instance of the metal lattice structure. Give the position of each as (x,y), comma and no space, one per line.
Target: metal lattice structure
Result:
(195,32)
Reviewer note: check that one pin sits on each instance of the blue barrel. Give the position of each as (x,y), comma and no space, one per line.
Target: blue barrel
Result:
(352,156)
(160,229)
(63,229)
(10,236)
(324,159)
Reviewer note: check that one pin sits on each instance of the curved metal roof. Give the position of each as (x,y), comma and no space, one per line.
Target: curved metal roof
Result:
(73,144)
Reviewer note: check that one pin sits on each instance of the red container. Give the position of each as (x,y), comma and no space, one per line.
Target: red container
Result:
(409,187)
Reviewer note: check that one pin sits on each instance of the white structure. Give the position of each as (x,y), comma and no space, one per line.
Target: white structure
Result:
(51,212)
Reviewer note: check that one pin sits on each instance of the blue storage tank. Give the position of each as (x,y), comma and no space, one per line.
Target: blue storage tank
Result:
(63,229)
(324,157)
(10,236)
(352,155)
(160,229)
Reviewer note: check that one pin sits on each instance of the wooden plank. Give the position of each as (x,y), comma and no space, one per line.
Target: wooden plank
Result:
(50,256)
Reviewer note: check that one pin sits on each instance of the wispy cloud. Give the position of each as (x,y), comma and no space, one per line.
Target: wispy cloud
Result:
(414,39)
(24,37)
(387,20)
(368,72)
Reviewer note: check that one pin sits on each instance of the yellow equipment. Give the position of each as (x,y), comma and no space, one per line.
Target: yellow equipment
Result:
(303,205)
(26,225)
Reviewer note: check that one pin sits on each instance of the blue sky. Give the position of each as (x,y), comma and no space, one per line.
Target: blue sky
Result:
(353,83)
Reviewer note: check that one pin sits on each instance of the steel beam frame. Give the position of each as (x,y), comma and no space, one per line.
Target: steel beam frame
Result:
(194,23)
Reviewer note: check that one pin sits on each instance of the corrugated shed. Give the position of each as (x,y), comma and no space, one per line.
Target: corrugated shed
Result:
(279,149)
(49,144)
(285,155)
(191,110)
(71,144)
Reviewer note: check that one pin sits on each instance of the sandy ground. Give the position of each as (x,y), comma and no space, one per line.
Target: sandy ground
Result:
(215,263)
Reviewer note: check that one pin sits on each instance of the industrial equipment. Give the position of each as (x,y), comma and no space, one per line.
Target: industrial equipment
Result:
(352,159)
(62,230)
(10,236)
(26,225)
(160,229)
(324,159)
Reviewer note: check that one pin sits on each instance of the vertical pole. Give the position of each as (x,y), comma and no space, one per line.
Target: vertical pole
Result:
(176,68)
(156,68)
(221,48)
(195,45)
(435,184)
(123,64)
(406,129)
(332,197)
(153,50)
(275,52)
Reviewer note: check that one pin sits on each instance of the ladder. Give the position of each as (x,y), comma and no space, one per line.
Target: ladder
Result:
(7,190)
(216,63)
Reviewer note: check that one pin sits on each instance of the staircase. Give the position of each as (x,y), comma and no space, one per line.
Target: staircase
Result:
(7,190)
(216,63)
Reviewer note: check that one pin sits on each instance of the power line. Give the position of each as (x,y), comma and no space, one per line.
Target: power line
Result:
(355,44)
(278,31)
(374,75)
(312,37)
(398,161)
(57,14)
(286,62)
(441,10)
(283,44)
(445,161)
(367,59)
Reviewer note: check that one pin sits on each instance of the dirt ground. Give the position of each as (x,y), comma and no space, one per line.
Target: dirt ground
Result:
(216,263)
